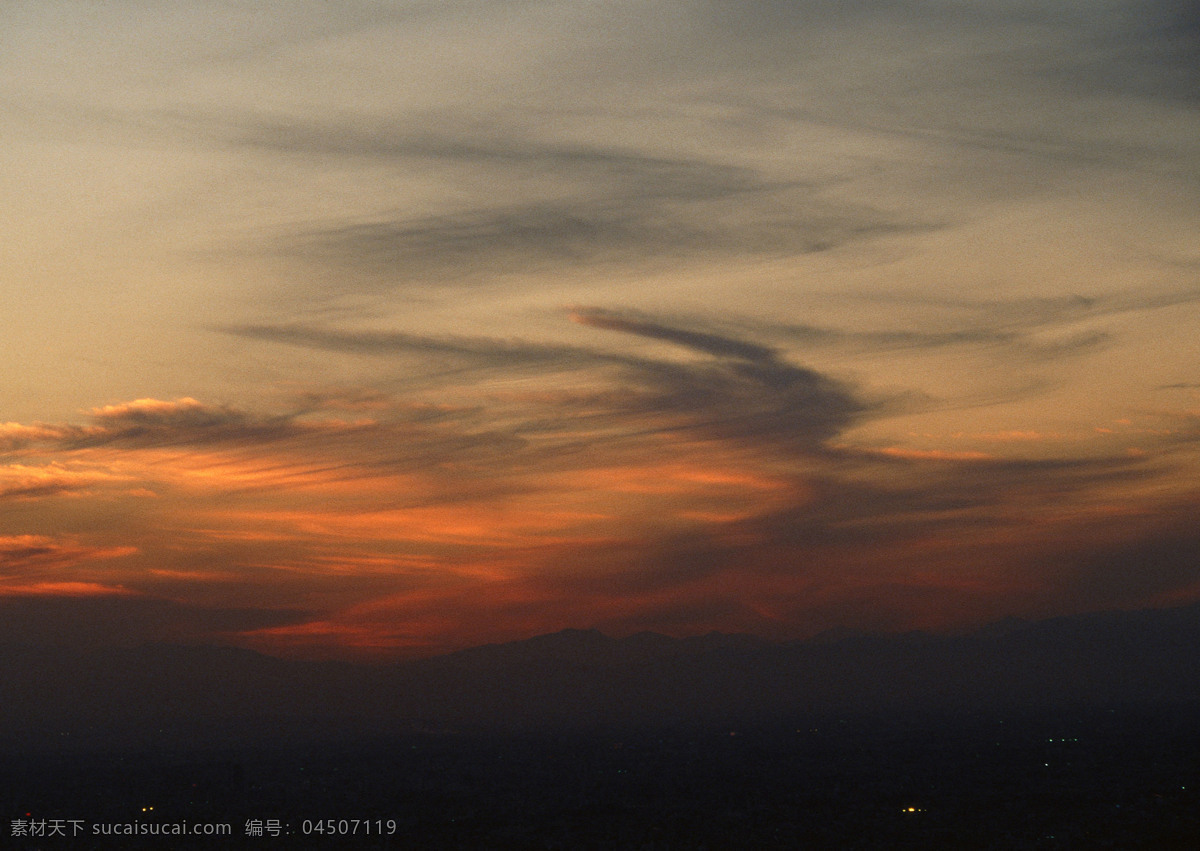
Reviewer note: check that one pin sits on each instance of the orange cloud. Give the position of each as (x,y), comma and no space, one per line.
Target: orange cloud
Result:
(1018,436)
(15,436)
(23,481)
(17,551)
(60,589)
(38,565)
(908,454)
(651,507)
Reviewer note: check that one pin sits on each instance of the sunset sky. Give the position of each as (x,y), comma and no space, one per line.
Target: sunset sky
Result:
(376,329)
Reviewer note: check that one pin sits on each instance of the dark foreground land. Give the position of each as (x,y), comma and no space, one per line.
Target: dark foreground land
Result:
(1116,777)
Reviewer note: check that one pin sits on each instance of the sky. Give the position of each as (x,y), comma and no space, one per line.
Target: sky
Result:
(368,329)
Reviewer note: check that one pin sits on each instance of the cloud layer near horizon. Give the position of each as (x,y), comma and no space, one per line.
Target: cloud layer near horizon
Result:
(707,483)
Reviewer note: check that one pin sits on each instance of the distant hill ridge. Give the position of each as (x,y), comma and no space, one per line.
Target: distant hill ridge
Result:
(578,678)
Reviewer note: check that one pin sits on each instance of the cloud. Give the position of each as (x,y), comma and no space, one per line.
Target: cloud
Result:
(15,436)
(1032,330)
(655,471)
(19,549)
(551,202)
(26,557)
(1017,339)
(183,422)
(744,393)
(154,413)
(583,232)
(740,392)
(59,589)
(20,481)
(744,402)
(482,350)
(610,171)
(902,452)
(462,246)
(713,344)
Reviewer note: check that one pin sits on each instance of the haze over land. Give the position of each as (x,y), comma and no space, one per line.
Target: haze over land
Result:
(383,329)
(166,699)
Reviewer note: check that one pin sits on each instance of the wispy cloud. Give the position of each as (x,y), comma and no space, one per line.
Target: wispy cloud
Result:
(756,401)
(596,207)
(487,350)
(44,558)
(23,481)
(713,344)
(1047,327)
(746,392)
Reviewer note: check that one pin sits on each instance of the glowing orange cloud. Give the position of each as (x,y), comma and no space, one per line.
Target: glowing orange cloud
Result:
(60,589)
(415,532)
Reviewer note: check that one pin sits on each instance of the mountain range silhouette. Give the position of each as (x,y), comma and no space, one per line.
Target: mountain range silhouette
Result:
(579,679)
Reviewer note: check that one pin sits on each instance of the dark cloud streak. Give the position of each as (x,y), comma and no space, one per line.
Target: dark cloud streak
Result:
(1014,323)
(746,393)
(480,349)
(591,204)
(583,232)
(713,344)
